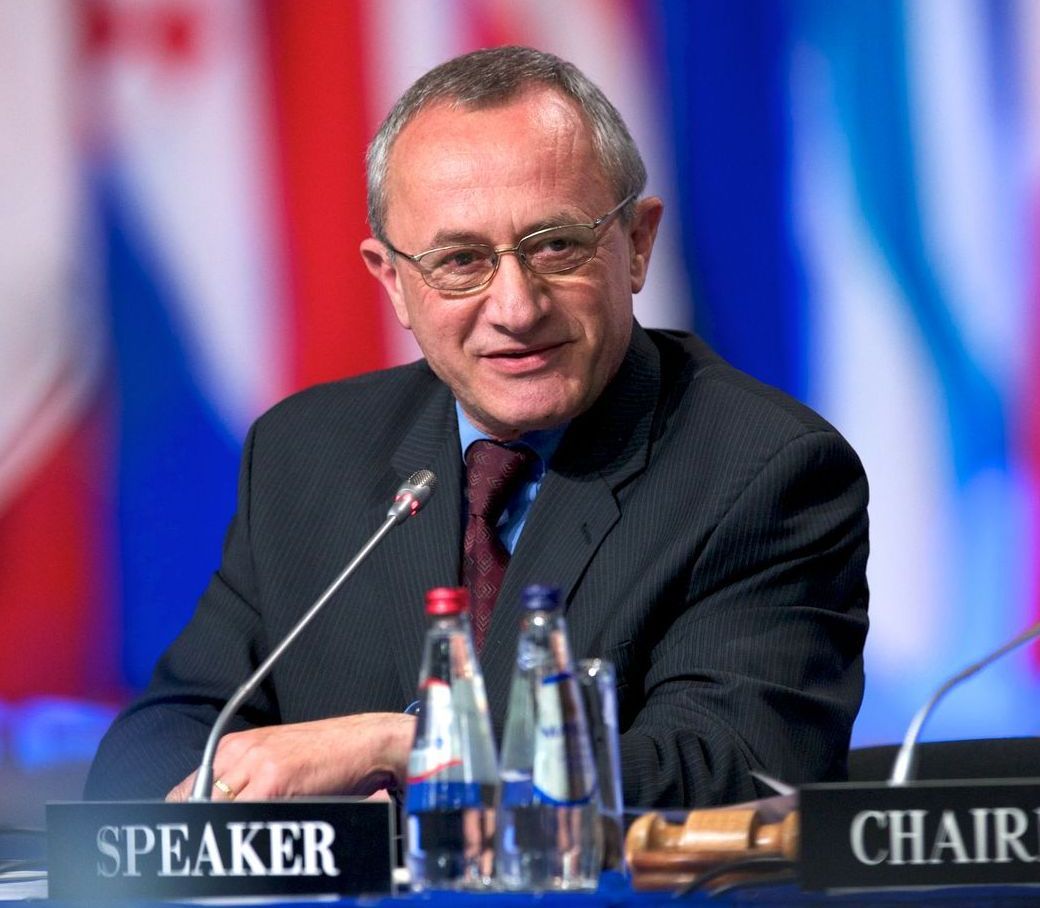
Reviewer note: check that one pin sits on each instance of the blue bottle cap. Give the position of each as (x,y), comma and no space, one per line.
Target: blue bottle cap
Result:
(541,598)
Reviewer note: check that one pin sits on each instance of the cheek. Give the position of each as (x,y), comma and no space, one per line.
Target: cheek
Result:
(605,313)
(440,331)
(609,330)
(422,311)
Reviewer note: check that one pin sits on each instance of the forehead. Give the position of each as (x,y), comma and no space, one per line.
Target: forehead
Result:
(536,143)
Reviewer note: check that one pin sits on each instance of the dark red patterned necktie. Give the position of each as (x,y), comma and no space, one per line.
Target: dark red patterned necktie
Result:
(493,474)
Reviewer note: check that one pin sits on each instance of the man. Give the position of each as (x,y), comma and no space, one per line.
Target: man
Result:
(708,533)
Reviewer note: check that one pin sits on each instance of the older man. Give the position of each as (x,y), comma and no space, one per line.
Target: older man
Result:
(709,534)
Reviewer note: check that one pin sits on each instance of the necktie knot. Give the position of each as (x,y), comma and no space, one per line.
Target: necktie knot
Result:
(493,473)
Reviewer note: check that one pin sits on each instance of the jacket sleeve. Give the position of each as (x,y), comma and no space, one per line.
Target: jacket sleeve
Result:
(762,666)
(159,739)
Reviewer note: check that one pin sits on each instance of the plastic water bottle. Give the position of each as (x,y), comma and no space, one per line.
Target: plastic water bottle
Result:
(549,835)
(452,768)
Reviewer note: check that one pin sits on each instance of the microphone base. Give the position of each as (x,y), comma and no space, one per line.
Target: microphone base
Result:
(159,850)
(928,833)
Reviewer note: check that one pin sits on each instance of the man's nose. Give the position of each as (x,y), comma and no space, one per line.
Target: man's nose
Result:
(516,298)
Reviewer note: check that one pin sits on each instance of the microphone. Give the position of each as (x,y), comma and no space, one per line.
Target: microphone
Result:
(413,493)
(904,768)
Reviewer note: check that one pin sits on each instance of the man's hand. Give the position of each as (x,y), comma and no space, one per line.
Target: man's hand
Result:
(355,755)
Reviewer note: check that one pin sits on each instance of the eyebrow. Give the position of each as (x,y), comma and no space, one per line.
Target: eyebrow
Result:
(456,238)
(469,237)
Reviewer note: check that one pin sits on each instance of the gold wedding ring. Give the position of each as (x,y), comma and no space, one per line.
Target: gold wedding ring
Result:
(224,788)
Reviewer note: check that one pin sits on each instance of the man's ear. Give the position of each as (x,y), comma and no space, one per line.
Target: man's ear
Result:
(380,261)
(642,231)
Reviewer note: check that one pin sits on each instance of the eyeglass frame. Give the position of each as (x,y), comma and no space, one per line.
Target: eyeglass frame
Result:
(498,252)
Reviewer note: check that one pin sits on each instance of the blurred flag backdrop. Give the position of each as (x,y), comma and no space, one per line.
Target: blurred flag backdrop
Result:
(853,203)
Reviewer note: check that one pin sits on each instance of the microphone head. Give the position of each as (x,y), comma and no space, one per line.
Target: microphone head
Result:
(414,492)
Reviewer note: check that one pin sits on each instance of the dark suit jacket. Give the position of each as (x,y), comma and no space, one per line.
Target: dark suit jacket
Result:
(709,535)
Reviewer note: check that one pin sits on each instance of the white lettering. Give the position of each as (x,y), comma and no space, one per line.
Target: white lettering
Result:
(170,849)
(242,851)
(284,837)
(108,845)
(135,850)
(979,815)
(209,853)
(318,837)
(949,837)
(898,836)
(296,849)
(1008,837)
(856,830)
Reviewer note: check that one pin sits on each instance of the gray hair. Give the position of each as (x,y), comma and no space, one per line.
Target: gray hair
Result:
(493,77)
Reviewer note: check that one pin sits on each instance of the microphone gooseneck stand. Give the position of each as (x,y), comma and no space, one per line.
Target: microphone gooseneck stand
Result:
(410,497)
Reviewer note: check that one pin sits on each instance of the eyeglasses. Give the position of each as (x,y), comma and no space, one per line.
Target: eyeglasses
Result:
(471,266)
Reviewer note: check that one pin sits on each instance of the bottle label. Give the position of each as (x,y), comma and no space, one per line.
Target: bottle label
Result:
(439,750)
(436,772)
(517,789)
(564,773)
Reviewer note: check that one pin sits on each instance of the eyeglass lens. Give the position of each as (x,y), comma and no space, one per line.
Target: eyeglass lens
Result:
(546,252)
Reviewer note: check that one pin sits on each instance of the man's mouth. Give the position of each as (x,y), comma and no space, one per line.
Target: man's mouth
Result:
(522,359)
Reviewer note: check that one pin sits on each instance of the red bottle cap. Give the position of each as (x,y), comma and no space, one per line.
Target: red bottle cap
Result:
(447,600)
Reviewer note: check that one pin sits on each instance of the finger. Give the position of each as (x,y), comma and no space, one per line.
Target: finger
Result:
(263,782)
(182,789)
(223,791)
(230,769)
(229,783)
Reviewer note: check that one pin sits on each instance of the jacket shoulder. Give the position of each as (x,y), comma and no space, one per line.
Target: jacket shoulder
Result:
(696,377)
(372,398)
(721,416)
(363,418)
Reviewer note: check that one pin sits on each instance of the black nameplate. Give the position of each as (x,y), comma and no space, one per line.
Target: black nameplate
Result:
(145,849)
(948,833)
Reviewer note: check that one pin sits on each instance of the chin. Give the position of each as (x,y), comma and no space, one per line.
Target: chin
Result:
(537,411)
(542,419)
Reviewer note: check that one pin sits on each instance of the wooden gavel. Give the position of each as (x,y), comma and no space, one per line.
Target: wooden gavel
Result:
(663,855)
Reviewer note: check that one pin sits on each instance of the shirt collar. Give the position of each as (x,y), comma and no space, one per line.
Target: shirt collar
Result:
(542,441)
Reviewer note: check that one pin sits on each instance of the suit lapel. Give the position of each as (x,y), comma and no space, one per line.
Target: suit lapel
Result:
(423,552)
(576,506)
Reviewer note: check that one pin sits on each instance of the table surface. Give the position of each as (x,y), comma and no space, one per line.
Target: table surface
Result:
(615,892)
